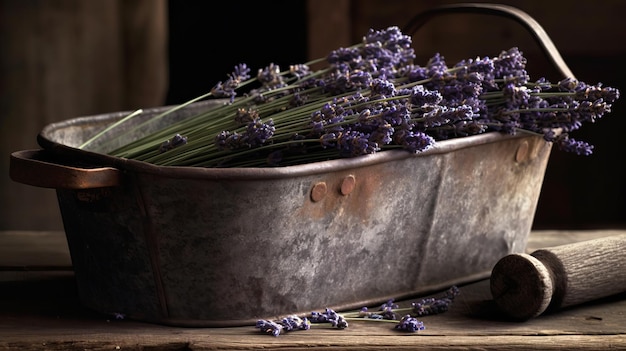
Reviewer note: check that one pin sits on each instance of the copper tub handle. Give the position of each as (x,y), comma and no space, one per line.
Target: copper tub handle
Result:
(537,31)
(40,168)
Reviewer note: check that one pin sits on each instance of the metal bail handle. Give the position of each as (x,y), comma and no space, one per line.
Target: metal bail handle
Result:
(539,34)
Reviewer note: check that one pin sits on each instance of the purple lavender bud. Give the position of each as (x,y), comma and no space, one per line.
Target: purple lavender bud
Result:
(321,317)
(436,65)
(290,323)
(431,305)
(269,327)
(417,73)
(452,293)
(293,322)
(595,92)
(329,316)
(388,305)
(383,87)
(305,324)
(414,142)
(224,90)
(353,143)
(226,140)
(360,80)
(567,144)
(328,140)
(241,73)
(420,96)
(317,317)
(410,324)
(511,63)
(176,141)
(517,96)
(343,55)
(270,77)
(165,146)
(258,133)
(300,70)
(609,94)
(243,116)
(388,315)
(396,115)
(298,99)
(364,115)
(339,322)
(568,84)
(383,135)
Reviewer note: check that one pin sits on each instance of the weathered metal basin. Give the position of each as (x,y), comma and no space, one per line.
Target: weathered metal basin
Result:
(191,246)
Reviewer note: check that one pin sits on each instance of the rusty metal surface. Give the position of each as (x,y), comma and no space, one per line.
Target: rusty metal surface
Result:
(217,247)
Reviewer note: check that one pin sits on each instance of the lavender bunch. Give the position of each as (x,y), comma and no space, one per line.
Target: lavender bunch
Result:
(387,312)
(370,97)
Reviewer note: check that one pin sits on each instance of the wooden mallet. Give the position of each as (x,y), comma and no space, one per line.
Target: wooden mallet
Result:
(524,286)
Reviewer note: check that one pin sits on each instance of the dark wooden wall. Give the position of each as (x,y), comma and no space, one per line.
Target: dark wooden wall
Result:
(62,59)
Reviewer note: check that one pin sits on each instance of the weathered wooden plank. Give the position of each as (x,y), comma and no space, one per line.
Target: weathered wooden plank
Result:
(43,311)
(69,58)
(51,315)
(348,342)
(29,250)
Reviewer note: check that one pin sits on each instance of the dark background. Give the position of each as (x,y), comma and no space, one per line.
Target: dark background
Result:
(206,43)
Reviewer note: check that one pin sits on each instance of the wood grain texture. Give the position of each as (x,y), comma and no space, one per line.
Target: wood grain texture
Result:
(41,311)
(521,286)
(65,59)
(586,270)
(526,285)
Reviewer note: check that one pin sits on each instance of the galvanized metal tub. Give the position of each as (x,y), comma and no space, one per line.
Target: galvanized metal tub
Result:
(191,246)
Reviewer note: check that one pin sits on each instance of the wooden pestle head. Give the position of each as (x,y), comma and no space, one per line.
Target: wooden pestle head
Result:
(521,286)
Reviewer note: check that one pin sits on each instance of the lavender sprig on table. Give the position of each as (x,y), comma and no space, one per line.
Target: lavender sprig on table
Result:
(387,312)
(368,98)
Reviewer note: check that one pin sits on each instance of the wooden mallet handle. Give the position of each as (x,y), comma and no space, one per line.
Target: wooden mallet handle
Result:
(525,286)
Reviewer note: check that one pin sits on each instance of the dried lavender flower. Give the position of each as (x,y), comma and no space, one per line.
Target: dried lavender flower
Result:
(387,312)
(372,97)
(410,324)
(176,141)
(430,306)
(269,327)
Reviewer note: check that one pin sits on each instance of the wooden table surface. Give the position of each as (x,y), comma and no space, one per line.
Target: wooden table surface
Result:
(39,310)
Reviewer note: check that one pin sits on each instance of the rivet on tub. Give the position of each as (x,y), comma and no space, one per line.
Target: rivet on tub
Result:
(319,191)
(348,184)
(522,151)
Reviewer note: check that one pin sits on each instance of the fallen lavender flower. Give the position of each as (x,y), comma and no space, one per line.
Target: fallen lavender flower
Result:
(287,324)
(387,312)
(431,306)
(329,316)
(410,324)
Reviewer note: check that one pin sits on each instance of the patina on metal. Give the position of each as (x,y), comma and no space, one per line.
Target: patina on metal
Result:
(192,246)
(196,246)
